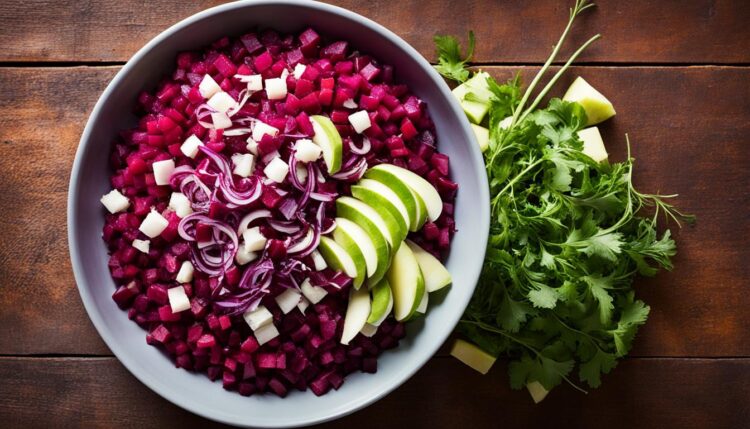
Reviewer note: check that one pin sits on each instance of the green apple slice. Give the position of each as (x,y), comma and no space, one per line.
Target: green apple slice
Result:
(348,233)
(596,105)
(420,186)
(474,96)
(328,138)
(407,283)
(537,391)
(593,145)
(413,203)
(382,303)
(384,201)
(340,260)
(352,212)
(422,307)
(386,224)
(357,312)
(355,252)
(473,356)
(436,276)
(483,136)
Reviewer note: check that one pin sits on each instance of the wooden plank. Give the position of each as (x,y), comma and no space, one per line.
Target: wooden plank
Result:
(669,31)
(683,144)
(684,393)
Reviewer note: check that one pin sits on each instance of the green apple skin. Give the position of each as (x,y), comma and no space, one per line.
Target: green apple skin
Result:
(382,303)
(339,259)
(436,276)
(598,108)
(348,211)
(349,231)
(414,205)
(407,283)
(328,138)
(351,247)
(418,185)
(476,108)
(384,207)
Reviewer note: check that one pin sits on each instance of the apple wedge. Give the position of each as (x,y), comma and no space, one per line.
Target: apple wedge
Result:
(354,210)
(422,188)
(597,107)
(383,199)
(350,236)
(414,205)
(436,276)
(593,145)
(480,92)
(483,136)
(340,260)
(382,303)
(407,283)
(357,312)
(328,138)
(472,356)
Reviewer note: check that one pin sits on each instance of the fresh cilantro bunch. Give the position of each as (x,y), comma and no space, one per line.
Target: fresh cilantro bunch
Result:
(567,237)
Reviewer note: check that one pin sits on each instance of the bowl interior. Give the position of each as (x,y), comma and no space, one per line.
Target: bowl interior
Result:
(89,181)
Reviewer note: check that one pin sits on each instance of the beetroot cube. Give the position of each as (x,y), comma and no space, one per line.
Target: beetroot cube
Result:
(370,365)
(250,345)
(158,294)
(228,380)
(309,40)
(166,315)
(440,162)
(161,334)
(125,294)
(277,387)
(335,51)
(206,341)
(263,61)
(266,360)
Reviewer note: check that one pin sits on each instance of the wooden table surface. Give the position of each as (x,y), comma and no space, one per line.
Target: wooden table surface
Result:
(678,72)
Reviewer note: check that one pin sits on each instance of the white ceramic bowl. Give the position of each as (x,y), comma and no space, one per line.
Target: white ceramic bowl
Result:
(89,180)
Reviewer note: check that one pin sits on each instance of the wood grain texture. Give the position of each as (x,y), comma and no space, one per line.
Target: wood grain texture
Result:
(667,31)
(683,145)
(645,393)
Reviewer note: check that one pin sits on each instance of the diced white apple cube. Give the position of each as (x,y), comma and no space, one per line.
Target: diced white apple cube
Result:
(115,202)
(276,170)
(313,293)
(142,245)
(303,304)
(368,330)
(360,121)
(266,333)
(254,239)
(349,104)
(221,120)
(307,151)
(276,88)
(301,170)
(244,256)
(593,145)
(288,299)
(254,82)
(221,102)
(244,164)
(163,171)
(258,317)
(208,87)
(318,261)
(261,128)
(153,224)
(537,391)
(299,70)
(284,75)
(190,147)
(180,204)
(252,146)
(185,275)
(178,299)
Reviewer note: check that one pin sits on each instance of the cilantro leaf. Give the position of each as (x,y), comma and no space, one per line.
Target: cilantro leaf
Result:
(591,370)
(450,64)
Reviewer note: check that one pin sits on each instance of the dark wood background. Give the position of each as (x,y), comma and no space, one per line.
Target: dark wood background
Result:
(678,73)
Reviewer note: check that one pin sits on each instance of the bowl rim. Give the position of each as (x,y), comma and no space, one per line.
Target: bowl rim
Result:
(73,196)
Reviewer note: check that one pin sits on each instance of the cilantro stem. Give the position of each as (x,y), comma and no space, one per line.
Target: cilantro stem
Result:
(510,183)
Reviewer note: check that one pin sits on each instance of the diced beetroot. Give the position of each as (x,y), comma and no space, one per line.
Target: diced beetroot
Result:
(157,294)
(265,360)
(251,43)
(263,61)
(370,72)
(250,345)
(309,40)
(440,162)
(161,334)
(166,315)
(206,341)
(370,365)
(335,51)
(228,380)
(276,249)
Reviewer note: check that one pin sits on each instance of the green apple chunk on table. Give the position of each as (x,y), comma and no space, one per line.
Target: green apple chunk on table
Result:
(382,303)
(356,242)
(483,136)
(419,186)
(593,145)
(598,108)
(328,138)
(357,312)
(407,283)
(474,96)
(383,199)
(472,356)
(436,276)
(340,259)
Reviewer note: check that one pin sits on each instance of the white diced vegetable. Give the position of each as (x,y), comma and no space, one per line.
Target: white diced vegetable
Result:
(208,87)
(360,121)
(258,317)
(299,69)
(307,151)
(288,299)
(261,128)
(252,146)
(349,104)
(221,120)
(276,88)
(266,334)
(320,263)
(255,82)
(313,293)
(301,173)
(178,299)
(303,304)
(254,239)
(153,224)
(185,275)
(276,170)
(244,164)
(180,204)
(115,202)
(593,145)
(244,256)
(284,75)
(142,245)
(221,102)
(162,171)
(190,147)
